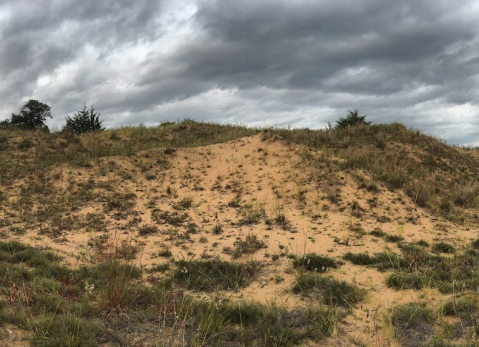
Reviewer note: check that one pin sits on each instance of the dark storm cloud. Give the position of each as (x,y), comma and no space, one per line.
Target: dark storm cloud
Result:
(311,44)
(40,36)
(256,62)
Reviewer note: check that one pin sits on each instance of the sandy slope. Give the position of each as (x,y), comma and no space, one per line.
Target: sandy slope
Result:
(255,179)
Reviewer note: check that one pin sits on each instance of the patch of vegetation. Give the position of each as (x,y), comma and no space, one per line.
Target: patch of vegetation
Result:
(466,306)
(211,275)
(165,253)
(393,238)
(315,262)
(378,232)
(218,229)
(120,202)
(174,218)
(183,204)
(251,215)
(381,261)
(422,177)
(249,245)
(148,230)
(443,247)
(411,315)
(327,289)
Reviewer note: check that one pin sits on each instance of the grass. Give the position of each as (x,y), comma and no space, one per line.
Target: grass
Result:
(411,315)
(94,305)
(381,261)
(249,245)
(327,290)
(443,247)
(417,268)
(315,262)
(467,306)
(418,176)
(213,275)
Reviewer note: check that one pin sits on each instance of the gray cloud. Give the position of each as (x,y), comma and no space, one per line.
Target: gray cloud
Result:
(255,62)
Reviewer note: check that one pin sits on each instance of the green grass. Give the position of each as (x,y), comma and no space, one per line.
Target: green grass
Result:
(381,261)
(443,247)
(212,275)
(315,262)
(101,304)
(411,315)
(249,245)
(327,289)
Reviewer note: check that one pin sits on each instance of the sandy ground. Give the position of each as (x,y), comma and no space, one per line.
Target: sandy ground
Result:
(266,178)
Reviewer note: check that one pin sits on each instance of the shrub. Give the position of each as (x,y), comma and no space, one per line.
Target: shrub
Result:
(353,118)
(84,121)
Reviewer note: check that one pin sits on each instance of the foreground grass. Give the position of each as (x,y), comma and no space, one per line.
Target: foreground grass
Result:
(101,304)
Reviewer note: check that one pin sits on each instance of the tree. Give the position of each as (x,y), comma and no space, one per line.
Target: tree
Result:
(353,118)
(32,116)
(84,121)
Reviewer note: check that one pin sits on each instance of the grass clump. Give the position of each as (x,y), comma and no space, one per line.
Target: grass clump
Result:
(315,262)
(466,306)
(393,238)
(120,202)
(327,289)
(251,215)
(211,275)
(183,204)
(65,330)
(411,315)
(443,247)
(173,218)
(378,232)
(148,230)
(249,245)
(381,261)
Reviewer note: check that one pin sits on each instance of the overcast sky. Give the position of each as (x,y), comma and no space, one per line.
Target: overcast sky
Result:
(301,63)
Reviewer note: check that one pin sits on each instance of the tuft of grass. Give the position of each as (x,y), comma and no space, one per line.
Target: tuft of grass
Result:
(218,229)
(183,204)
(443,247)
(315,262)
(467,306)
(148,230)
(381,261)
(393,238)
(211,275)
(165,253)
(329,290)
(249,245)
(378,232)
(65,330)
(411,315)
(173,218)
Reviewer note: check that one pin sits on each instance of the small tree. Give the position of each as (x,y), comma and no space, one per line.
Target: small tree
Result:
(353,118)
(84,121)
(32,116)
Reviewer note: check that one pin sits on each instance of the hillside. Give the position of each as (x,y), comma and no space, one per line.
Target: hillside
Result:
(209,235)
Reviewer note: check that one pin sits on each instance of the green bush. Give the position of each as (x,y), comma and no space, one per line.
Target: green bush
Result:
(84,121)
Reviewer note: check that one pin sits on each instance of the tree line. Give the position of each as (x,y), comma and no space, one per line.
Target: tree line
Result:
(34,114)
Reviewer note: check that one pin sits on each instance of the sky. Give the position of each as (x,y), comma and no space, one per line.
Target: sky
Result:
(294,63)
